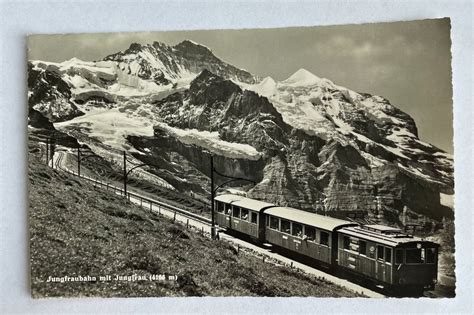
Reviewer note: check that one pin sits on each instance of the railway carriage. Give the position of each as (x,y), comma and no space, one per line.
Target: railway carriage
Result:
(388,257)
(241,214)
(304,233)
(379,254)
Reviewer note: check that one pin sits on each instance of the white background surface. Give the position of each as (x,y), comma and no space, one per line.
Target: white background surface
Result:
(19,18)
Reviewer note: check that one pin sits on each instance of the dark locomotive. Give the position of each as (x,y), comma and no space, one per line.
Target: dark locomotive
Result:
(380,254)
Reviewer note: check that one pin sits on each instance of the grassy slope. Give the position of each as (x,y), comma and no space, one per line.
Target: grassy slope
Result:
(76,229)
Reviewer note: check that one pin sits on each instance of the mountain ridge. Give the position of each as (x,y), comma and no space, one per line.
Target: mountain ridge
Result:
(320,143)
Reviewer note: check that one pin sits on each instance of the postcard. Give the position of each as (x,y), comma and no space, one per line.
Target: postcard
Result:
(302,161)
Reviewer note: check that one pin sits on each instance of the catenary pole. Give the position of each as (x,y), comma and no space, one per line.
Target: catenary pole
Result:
(79,161)
(52,152)
(213,223)
(125,173)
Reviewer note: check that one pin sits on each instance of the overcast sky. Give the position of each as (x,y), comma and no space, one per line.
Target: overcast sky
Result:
(407,62)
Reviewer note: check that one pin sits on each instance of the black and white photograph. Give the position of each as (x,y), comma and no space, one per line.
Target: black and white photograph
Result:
(278,162)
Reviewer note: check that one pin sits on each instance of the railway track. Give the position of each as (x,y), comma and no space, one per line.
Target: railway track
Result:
(143,201)
(203,225)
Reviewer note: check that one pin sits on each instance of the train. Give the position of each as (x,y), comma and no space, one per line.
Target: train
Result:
(380,255)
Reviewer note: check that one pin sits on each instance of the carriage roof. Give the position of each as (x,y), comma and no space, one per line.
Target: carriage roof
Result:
(308,218)
(243,202)
(382,234)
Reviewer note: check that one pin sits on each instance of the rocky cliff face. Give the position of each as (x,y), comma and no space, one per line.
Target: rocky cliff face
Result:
(165,64)
(49,96)
(337,164)
(215,104)
(187,166)
(305,141)
(62,91)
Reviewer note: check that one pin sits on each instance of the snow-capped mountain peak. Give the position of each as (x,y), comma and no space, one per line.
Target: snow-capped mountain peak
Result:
(187,43)
(268,81)
(139,70)
(73,60)
(164,65)
(308,129)
(267,87)
(302,77)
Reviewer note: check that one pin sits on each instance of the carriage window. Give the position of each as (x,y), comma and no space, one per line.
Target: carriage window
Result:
(236,212)
(388,255)
(379,252)
(245,214)
(346,242)
(324,240)
(414,256)
(285,226)
(399,256)
(430,255)
(363,248)
(297,229)
(372,251)
(228,209)
(274,223)
(310,233)
(253,217)
(220,207)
